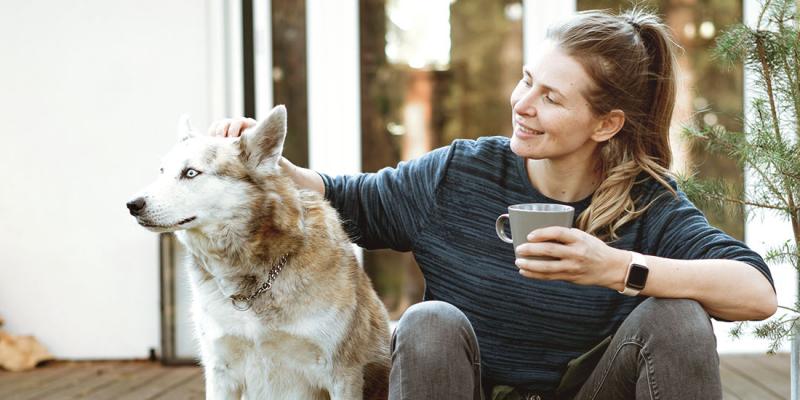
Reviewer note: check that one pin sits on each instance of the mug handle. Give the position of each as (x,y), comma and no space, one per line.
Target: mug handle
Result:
(500,227)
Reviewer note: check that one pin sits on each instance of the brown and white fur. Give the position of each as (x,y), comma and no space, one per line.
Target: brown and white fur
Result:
(321,331)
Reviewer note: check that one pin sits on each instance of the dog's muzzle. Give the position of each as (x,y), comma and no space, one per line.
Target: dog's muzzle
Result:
(136,206)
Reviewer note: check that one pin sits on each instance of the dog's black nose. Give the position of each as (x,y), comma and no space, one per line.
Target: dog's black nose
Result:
(136,206)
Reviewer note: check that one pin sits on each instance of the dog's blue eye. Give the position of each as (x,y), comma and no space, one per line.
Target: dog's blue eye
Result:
(190,173)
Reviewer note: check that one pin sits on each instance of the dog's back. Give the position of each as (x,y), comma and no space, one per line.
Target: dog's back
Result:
(367,341)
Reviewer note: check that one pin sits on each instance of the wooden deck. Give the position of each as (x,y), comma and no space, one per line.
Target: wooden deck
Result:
(744,377)
(755,376)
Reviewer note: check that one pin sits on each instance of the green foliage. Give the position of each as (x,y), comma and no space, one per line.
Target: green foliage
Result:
(769,147)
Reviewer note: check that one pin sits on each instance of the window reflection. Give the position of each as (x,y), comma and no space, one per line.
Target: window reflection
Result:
(431,71)
(289,74)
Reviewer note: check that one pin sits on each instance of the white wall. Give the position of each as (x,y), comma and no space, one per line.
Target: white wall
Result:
(90,92)
(334,101)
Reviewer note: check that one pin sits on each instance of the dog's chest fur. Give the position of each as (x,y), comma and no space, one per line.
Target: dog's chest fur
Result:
(287,335)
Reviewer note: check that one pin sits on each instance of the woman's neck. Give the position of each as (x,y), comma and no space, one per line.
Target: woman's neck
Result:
(566,182)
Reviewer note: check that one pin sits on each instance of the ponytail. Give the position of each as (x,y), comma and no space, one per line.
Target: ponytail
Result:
(631,61)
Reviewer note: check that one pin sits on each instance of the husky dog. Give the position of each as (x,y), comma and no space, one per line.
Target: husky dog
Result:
(281,307)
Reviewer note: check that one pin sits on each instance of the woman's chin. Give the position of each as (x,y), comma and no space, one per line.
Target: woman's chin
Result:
(521,147)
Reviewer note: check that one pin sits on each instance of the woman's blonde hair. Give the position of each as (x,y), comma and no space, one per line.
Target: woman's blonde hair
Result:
(631,61)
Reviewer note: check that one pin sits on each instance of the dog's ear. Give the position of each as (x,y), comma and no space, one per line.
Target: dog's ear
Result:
(262,144)
(185,130)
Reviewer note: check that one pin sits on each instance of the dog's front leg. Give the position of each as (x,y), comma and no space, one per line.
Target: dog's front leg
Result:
(220,385)
(348,385)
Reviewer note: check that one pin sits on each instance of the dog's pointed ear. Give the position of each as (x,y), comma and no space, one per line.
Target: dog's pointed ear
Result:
(185,130)
(262,144)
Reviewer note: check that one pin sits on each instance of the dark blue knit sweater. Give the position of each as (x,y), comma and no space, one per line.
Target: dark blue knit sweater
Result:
(443,207)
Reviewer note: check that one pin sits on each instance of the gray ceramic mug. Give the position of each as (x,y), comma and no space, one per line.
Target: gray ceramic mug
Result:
(526,218)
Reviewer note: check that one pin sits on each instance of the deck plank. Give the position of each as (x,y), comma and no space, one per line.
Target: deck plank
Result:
(744,377)
(104,378)
(779,363)
(170,378)
(16,382)
(129,382)
(766,377)
(743,385)
(49,388)
(192,389)
(728,395)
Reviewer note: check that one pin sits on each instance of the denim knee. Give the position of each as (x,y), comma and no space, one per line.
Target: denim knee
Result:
(429,325)
(672,325)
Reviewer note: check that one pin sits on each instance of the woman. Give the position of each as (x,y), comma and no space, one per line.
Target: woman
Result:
(623,309)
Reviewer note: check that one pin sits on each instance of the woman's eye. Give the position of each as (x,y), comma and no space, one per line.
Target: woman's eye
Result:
(191,173)
(548,99)
(525,82)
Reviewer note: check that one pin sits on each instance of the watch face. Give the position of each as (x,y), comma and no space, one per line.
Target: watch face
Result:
(637,277)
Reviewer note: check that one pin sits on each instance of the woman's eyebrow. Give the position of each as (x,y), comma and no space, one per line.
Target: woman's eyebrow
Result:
(527,72)
(550,88)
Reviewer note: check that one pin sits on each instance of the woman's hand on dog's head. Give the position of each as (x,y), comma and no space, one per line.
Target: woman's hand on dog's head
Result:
(230,127)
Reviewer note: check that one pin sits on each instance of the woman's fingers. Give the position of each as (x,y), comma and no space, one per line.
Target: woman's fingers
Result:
(219,127)
(554,233)
(235,128)
(544,276)
(543,249)
(230,127)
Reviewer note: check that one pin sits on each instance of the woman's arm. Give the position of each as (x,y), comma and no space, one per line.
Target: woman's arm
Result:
(303,177)
(727,289)
(386,209)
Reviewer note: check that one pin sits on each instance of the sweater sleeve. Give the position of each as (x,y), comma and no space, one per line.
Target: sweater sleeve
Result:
(677,229)
(389,208)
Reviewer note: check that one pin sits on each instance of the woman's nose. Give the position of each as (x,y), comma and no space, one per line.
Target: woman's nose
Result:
(525,105)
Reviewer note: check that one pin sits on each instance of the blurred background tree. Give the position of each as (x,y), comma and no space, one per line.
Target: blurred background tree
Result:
(769,146)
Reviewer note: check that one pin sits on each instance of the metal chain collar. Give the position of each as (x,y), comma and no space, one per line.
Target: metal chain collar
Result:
(242,303)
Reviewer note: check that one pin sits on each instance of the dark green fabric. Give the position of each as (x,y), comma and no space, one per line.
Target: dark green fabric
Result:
(578,371)
(503,392)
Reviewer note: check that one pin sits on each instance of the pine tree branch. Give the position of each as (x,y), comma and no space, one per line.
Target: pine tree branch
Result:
(771,51)
(793,89)
(762,57)
(741,202)
(766,180)
(732,148)
(790,309)
(764,9)
(796,52)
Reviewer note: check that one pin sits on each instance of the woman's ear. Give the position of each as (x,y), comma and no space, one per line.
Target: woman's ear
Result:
(609,125)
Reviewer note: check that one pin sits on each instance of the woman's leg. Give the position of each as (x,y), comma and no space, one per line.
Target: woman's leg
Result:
(434,355)
(665,349)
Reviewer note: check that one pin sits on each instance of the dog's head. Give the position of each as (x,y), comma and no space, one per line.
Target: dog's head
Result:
(213,182)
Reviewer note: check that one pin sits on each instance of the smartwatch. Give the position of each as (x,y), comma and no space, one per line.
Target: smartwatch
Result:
(636,277)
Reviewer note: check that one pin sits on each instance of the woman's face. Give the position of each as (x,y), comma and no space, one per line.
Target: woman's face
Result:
(551,117)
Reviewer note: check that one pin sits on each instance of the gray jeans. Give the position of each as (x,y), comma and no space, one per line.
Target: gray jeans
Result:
(665,349)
